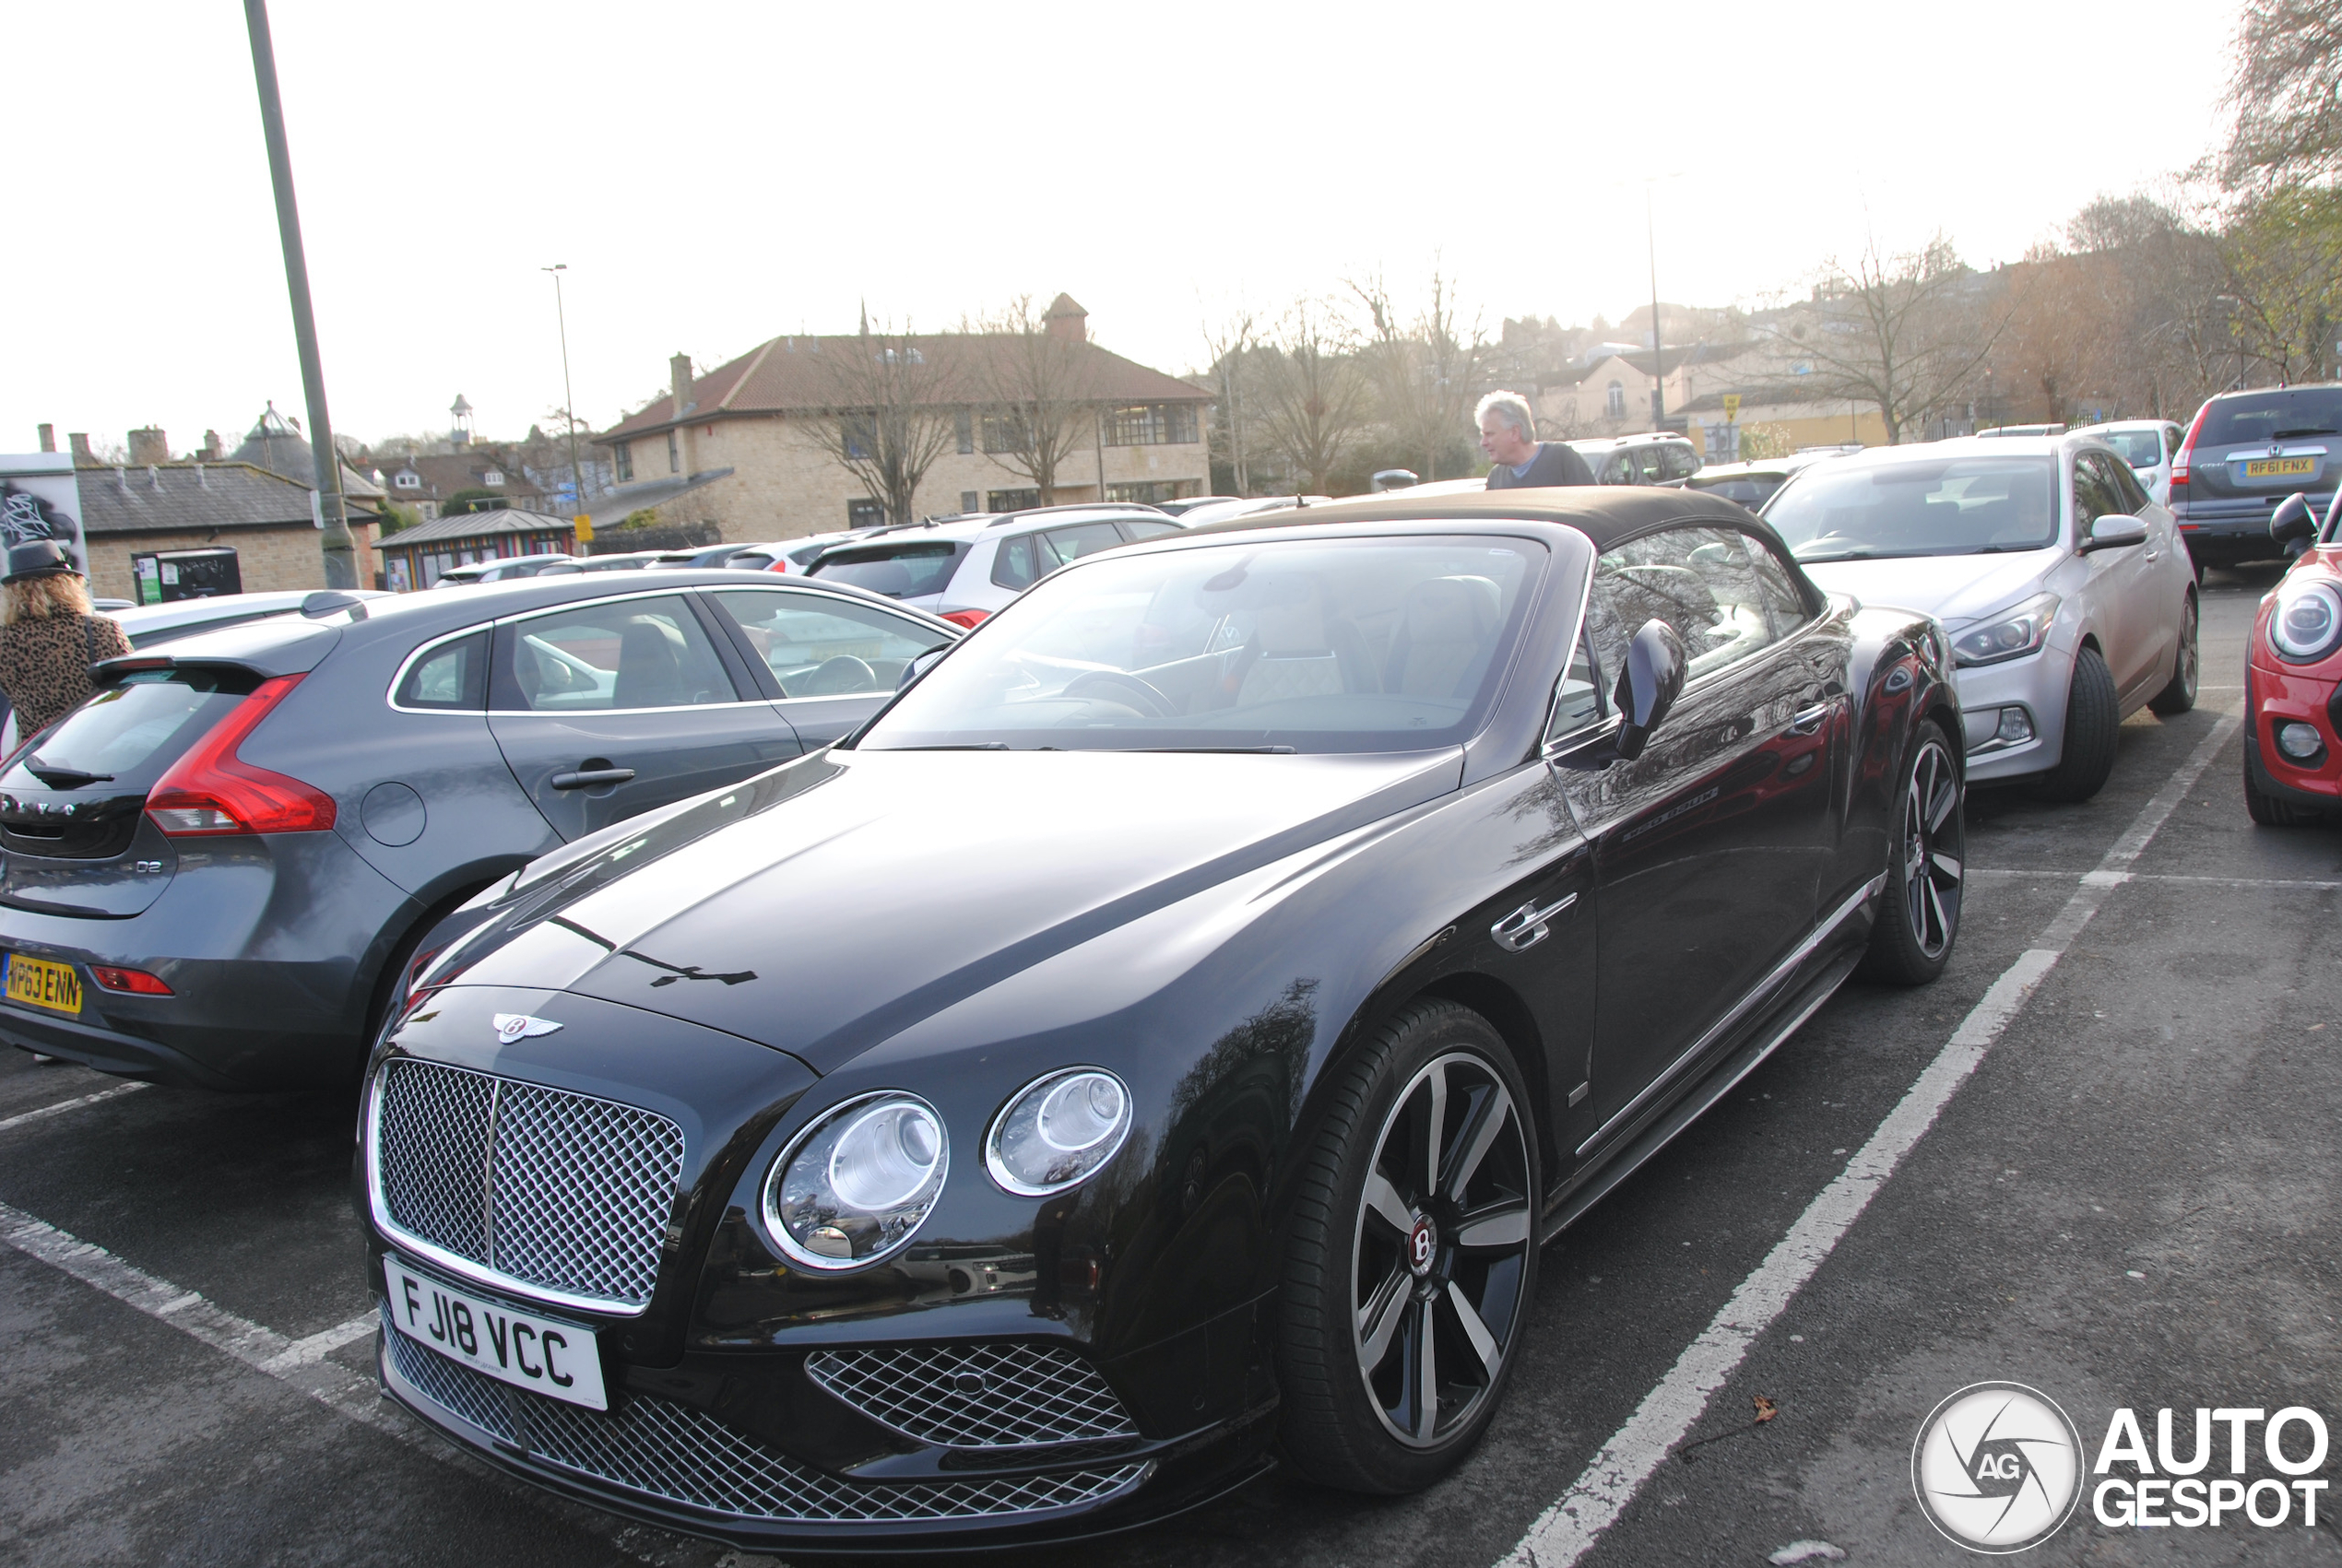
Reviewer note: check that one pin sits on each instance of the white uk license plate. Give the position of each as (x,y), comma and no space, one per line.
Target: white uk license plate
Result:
(542,1354)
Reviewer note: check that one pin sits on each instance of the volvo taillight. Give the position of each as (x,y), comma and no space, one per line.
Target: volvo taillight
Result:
(210,791)
(968,617)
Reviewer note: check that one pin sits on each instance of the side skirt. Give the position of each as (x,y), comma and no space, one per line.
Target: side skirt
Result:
(1597,1185)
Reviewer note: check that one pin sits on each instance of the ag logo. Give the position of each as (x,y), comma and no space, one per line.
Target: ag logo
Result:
(1997,1468)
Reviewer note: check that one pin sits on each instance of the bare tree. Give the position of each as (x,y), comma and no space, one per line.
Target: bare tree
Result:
(887,414)
(1040,395)
(1903,334)
(1427,370)
(2282,259)
(2287,93)
(1315,398)
(1230,375)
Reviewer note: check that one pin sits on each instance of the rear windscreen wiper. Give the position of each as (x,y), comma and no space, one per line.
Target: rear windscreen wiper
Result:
(63,778)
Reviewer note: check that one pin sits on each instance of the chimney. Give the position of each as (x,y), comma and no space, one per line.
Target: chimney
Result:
(210,452)
(147,447)
(82,457)
(48,438)
(1067,319)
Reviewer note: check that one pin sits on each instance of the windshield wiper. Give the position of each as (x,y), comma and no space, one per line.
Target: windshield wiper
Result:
(1835,555)
(1231,750)
(957,745)
(57,777)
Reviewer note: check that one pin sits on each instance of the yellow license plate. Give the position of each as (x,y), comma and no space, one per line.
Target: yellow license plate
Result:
(2277,467)
(37,983)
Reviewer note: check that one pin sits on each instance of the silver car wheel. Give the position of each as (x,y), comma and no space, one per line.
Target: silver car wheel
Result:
(1442,1238)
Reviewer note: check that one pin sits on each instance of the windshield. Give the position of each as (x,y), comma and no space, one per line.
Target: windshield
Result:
(2140,449)
(1939,506)
(2278,414)
(1301,646)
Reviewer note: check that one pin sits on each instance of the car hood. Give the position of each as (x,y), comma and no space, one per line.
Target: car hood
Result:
(1954,589)
(832,903)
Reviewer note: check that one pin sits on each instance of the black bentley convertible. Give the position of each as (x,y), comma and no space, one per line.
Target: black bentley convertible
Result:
(1160,1040)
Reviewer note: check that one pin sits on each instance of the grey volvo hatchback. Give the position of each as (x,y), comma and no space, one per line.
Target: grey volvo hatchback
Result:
(216,867)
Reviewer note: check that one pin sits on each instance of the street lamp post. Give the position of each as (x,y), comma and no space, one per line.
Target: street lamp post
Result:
(1657,348)
(332,516)
(569,407)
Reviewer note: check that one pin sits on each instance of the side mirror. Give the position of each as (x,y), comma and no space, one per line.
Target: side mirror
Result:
(2112,532)
(1649,686)
(2292,525)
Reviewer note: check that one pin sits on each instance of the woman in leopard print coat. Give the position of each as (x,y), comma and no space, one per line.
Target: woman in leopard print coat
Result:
(51,637)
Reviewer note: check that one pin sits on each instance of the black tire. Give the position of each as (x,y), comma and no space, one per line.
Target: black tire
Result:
(1362,1291)
(2180,695)
(2261,804)
(2092,724)
(1926,866)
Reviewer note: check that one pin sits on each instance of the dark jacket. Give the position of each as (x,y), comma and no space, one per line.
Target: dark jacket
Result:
(44,665)
(1557,463)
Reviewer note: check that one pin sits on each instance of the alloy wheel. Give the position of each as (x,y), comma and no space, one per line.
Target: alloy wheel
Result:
(1441,1247)
(1935,844)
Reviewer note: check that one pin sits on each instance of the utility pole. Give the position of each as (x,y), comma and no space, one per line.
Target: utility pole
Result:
(327,508)
(569,407)
(1658,347)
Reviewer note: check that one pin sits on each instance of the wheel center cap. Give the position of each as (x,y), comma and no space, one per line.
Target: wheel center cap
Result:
(1422,1245)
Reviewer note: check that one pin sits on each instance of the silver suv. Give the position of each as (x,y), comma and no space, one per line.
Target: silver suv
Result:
(965,568)
(2245,452)
(1656,457)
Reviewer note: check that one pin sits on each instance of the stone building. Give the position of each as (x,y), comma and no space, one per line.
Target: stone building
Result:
(736,447)
(263,516)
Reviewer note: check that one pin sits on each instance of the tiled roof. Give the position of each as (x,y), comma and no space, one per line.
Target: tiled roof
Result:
(476,525)
(445,473)
(194,495)
(788,375)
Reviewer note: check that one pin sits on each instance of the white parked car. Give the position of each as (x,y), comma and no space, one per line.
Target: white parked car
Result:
(2149,446)
(2065,590)
(965,567)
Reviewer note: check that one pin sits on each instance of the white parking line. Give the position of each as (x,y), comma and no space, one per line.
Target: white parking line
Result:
(116,1092)
(1567,1529)
(2311,883)
(299,1363)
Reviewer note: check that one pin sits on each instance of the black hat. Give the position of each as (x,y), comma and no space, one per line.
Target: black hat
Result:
(37,558)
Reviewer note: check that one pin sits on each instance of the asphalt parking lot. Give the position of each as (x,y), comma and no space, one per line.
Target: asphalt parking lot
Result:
(2098,1158)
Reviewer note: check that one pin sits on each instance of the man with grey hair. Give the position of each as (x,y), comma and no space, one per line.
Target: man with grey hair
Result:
(1508,435)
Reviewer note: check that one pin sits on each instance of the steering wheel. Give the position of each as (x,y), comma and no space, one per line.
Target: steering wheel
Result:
(838,676)
(1150,702)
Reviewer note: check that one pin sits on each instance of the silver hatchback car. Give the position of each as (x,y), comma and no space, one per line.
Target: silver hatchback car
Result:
(2066,593)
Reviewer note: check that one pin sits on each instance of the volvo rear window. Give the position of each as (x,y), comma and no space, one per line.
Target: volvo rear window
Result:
(2279,413)
(904,570)
(134,729)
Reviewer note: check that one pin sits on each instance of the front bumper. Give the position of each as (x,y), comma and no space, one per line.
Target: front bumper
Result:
(2275,698)
(2036,687)
(672,1451)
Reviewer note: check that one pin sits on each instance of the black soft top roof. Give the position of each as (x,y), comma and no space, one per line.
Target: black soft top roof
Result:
(1604,513)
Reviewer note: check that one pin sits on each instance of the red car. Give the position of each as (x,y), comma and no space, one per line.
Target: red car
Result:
(2292,670)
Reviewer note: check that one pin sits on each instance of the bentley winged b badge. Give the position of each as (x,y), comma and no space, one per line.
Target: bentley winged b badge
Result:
(520,1026)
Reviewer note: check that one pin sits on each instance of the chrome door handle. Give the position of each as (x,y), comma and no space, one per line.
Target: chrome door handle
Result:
(589,778)
(1525,927)
(1808,720)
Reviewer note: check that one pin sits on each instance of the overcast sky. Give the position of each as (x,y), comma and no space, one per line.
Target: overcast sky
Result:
(716,174)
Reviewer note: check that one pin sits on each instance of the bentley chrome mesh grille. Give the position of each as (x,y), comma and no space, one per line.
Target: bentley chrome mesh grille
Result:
(540,1186)
(975,1396)
(683,1455)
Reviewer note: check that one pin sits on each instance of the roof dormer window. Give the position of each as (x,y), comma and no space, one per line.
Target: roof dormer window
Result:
(408,479)
(492,476)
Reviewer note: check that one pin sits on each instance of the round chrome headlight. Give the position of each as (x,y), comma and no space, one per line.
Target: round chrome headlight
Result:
(2307,622)
(1057,1130)
(857,1184)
